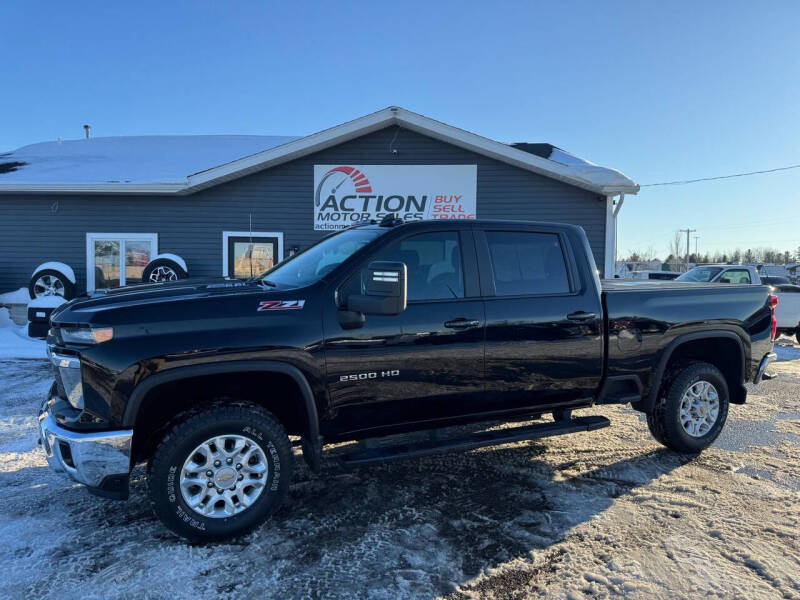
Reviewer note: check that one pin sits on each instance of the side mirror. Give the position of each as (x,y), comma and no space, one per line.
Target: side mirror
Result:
(385,289)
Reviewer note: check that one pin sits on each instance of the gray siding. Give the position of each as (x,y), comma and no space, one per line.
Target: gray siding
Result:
(38,228)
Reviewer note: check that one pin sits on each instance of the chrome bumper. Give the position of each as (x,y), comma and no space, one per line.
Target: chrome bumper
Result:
(88,458)
(768,358)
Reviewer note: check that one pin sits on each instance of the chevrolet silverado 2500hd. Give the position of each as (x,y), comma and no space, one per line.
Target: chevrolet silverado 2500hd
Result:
(379,329)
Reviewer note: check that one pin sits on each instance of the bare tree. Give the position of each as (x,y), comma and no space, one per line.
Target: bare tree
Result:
(675,251)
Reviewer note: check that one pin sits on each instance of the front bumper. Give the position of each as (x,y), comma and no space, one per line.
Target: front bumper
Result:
(762,367)
(100,460)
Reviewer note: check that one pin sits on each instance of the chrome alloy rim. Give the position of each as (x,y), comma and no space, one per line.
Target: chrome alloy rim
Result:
(224,476)
(48,285)
(163,274)
(699,408)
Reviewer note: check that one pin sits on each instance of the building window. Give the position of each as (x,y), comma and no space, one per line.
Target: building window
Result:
(246,254)
(115,259)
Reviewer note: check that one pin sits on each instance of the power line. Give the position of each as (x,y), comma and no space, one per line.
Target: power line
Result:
(684,182)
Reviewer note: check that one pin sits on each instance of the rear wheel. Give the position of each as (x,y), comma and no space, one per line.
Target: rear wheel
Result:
(691,408)
(220,473)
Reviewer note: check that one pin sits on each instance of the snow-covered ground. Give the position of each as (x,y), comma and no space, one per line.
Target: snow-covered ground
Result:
(14,340)
(584,516)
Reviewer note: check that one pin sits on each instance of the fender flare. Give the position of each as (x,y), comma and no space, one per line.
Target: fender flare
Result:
(650,399)
(141,390)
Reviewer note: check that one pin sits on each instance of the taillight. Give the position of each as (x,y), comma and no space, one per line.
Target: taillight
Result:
(772,300)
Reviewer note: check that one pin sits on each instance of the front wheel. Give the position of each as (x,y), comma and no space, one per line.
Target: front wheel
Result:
(691,408)
(220,473)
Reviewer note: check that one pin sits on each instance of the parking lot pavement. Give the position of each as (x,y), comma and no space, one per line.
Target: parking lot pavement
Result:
(588,515)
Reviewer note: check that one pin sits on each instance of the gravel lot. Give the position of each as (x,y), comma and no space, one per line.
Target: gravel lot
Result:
(589,515)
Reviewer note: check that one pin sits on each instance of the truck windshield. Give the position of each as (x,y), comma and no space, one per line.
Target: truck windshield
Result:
(312,264)
(699,274)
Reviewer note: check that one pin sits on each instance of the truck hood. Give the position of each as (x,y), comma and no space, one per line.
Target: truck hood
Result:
(79,309)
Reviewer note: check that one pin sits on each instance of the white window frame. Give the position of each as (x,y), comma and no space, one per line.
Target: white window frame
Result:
(255,234)
(116,237)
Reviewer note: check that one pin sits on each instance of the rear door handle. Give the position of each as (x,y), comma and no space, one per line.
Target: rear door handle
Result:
(581,316)
(461,323)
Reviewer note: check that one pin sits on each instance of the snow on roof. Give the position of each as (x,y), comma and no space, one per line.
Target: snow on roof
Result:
(135,159)
(186,164)
(582,167)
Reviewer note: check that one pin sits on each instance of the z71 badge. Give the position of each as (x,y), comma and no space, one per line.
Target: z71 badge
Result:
(280,305)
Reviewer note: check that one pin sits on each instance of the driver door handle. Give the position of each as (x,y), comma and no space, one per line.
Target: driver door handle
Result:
(461,323)
(581,316)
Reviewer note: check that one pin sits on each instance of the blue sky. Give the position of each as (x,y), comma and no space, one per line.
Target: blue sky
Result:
(660,91)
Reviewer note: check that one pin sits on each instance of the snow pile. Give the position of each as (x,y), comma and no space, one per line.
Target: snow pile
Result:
(136,159)
(173,257)
(14,340)
(20,296)
(46,302)
(57,266)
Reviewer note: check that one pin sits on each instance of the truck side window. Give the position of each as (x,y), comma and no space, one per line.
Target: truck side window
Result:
(527,263)
(434,263)
(735,276)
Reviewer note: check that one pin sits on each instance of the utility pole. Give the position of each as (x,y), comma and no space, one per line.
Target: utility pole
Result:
(688,233)
(696,237)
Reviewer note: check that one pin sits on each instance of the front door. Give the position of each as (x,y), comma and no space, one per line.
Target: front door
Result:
(424,364)
(544,344)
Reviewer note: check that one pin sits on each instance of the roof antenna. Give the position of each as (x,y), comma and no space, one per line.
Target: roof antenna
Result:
(87,128)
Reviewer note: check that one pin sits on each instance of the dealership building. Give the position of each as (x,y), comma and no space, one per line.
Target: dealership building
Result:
(103,212)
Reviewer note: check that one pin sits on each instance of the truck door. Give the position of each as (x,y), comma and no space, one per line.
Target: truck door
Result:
(544,336)
(427,362)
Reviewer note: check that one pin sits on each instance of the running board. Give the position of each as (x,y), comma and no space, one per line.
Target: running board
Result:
(471,441)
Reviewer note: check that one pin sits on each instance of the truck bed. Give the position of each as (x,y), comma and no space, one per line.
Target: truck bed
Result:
(644,317)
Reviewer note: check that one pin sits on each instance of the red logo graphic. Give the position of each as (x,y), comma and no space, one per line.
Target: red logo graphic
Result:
(360,181)
(280,305)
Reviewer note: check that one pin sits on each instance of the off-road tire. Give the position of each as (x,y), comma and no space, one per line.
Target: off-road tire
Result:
(230,418)
(166,263)
(664,419)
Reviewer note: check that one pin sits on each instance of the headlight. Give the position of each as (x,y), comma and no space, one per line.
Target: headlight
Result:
(86,335)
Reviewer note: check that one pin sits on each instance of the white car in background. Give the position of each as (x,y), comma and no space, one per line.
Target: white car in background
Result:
(722,274)
(787,312)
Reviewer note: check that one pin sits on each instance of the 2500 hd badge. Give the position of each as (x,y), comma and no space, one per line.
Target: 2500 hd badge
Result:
(369,375)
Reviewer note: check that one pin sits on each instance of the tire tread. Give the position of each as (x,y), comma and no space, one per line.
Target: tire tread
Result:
(204,416)
(664,428)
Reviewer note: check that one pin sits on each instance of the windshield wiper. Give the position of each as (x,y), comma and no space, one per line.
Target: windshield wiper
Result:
(269,283)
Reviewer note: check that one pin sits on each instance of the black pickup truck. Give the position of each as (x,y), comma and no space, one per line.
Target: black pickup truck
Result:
(380,329)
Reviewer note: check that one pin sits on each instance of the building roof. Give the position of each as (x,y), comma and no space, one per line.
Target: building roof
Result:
(185,164)
(149,159)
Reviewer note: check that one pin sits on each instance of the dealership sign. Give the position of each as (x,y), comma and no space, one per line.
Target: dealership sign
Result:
(347,194)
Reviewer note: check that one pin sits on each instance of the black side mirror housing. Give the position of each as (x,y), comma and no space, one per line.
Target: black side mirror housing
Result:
(385,289)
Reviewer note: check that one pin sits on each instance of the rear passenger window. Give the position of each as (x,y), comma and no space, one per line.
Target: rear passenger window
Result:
(735,276)
(527,263)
